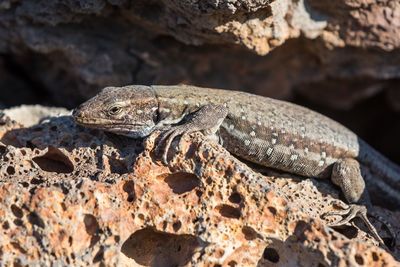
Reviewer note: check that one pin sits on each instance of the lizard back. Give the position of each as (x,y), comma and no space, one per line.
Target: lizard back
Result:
(268,132)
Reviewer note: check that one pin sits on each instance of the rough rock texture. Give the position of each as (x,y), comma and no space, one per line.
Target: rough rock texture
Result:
(73,196)
(29,115)
(335,53)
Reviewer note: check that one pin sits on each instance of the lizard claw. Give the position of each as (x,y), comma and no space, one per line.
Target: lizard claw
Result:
(350,212)
(166,139)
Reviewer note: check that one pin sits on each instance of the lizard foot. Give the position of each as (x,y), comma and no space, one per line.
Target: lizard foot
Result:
(350,212)
(166,139)
(207,119)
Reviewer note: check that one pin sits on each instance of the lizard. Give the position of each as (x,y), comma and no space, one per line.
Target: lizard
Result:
(269,132)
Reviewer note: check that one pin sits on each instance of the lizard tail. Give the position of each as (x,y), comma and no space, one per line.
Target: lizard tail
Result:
(392,242)
(384,176)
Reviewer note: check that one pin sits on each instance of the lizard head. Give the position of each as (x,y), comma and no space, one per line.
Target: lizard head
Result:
(130,110)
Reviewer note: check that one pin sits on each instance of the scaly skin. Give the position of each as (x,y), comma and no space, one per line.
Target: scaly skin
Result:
(262,130)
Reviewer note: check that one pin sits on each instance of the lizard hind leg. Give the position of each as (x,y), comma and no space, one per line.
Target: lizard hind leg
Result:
(346,174)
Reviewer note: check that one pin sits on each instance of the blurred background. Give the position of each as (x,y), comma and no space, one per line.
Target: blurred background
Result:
(341,58)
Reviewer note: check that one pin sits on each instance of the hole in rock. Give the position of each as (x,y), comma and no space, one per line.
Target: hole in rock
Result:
(271,255)
(249,233)
(54,161)
(375,256)
(2,149)
(129,187)
(34,219)
(182,182)
(99,255)
(18,222)
(229,211)
(117,166)
(93,240)
(36,181)
(17,211)
(154,248)
(176,226)
(359,259)
(10,170)
(235,198)
(6,225)
(91,224)
(272,210)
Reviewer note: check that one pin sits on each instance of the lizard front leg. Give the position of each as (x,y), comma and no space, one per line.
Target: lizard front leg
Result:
(207,119)
(346,174)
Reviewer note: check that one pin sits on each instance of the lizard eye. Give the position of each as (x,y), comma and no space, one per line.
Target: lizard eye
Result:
(114,110)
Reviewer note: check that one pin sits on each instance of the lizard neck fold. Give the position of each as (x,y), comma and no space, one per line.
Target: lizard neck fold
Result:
(172,106)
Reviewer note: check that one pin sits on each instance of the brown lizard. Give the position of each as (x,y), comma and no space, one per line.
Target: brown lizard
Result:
(262,130)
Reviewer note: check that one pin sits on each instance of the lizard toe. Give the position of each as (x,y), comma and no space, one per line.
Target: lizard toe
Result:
(164,143)
(349,214)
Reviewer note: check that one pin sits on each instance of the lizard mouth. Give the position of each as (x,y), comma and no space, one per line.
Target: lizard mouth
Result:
(111,125)
(106,124)
(136,130)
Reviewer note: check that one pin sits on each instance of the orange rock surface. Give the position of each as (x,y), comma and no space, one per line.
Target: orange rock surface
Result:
(73,196)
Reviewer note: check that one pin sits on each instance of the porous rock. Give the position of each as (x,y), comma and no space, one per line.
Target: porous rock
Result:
(74,196)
